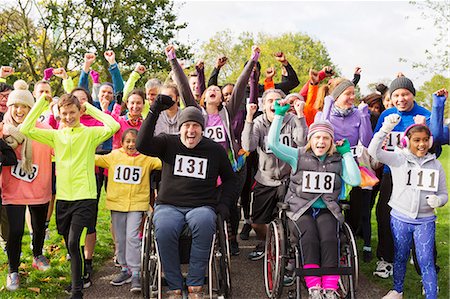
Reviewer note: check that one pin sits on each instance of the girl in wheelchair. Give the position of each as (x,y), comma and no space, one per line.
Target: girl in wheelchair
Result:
(318,172)
(419,186)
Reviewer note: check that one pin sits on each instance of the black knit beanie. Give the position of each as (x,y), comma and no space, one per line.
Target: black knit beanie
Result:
(402,82)
(191,113)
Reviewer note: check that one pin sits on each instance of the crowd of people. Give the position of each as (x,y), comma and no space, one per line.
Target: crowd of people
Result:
(186,152)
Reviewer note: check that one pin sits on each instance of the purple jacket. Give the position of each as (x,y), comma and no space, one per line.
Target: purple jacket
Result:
(353,127)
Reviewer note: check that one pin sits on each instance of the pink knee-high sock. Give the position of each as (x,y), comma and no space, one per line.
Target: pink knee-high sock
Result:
(312,281)
(330,282)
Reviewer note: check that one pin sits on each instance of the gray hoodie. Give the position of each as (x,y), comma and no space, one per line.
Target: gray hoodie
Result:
(271,170)
(413,178)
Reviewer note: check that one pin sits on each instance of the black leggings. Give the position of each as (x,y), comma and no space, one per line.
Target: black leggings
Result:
(16,219)
(358,217)
(75,247)
(385,248)
(318,238)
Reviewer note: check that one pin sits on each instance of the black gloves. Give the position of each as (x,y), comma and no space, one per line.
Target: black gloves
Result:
(118,97)
(161,103)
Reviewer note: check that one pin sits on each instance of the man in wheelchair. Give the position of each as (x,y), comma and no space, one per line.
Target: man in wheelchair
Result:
(318,171)
(191,167)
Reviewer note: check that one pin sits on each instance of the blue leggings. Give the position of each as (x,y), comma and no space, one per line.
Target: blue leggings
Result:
(423,236)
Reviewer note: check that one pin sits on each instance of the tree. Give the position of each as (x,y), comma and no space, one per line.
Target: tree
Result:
(424,94)
(437,56)
(301,51)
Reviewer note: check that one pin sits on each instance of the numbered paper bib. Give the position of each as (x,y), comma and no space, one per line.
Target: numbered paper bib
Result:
(356,151)
(126,174)
(216,133)
(318,182)
(393,140)
(422,179)
(192,167)
(284,139)
(17,172)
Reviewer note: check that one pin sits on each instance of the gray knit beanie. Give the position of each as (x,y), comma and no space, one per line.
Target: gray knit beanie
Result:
(191,113)
(338,90)
(402,82)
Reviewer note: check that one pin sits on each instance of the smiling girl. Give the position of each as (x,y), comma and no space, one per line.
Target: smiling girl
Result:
(128,198)
(26,184)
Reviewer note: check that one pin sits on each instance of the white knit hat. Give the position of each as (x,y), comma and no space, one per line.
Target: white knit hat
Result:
(20,95)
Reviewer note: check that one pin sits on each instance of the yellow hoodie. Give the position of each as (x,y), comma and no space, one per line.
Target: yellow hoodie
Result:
(128,180)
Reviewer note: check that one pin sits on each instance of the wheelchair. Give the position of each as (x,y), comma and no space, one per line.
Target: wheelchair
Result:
(279,251)
(218,276)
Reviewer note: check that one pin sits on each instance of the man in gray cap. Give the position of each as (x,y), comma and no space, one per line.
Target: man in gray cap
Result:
(402,93)
(188,194)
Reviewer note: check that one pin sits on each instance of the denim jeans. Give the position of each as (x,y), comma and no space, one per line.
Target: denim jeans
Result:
(169,221)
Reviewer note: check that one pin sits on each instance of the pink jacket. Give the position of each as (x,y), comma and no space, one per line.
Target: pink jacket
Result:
(125,124)
(31,189)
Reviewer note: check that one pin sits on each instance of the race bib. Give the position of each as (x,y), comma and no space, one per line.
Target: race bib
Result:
(126,174)
(284,139)
(17,172)
(192,167)
(216,133)
(393,140)
(422,179)
(356,151)
(318,182)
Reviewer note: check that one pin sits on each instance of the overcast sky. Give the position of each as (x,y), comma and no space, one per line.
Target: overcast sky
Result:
(373,35)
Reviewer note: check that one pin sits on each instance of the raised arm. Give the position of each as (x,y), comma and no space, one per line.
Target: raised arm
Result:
(180,78)
(238,94)
(375,147)
(438,130)
(146,142)
(350,171)
(283,152)
(356,75)
(200,68)
(132,79)
(89,59)
(365,127)
(113,69)
(110,126)
(214,77)
(250,137)
(28,127)
(291,80)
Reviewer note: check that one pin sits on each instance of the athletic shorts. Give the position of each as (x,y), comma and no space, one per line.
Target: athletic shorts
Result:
(264,201)
(78,212)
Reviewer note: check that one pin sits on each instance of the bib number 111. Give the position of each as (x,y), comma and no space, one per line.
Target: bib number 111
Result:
(422,179)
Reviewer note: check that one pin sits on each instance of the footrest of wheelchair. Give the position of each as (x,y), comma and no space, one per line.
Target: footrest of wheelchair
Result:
(324,271)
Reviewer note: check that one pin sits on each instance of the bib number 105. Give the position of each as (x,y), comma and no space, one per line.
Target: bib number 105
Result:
(422,179)
(318,182)
(190,166)
(127,174)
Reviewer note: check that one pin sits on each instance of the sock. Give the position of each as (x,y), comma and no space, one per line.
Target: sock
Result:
(330,282)
(312,281)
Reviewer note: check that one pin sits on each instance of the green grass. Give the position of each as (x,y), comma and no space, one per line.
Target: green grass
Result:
(51,284)
(413,285)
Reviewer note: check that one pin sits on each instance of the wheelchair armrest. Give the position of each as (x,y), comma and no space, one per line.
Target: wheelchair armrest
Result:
(283,206)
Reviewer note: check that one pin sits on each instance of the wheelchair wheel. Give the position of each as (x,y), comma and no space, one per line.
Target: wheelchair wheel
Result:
(274,259)
(349,258)
(149,261)
(221,262)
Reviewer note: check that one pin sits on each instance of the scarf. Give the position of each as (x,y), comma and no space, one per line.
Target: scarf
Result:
(342,112)
(14,138)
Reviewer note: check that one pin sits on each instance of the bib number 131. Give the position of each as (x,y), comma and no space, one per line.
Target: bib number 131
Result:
(190,166)
(318,182)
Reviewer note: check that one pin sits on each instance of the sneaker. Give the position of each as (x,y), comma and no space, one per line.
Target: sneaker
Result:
(234,248)
(174,294)
(135,283)
(12,281)
(367,256)
(393,294)
(258,253)
(245,232)
(288,280)
(384,269)
(195,292)
(86,284)
(331,294)
(41,263)
(315,293)
(121,279)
